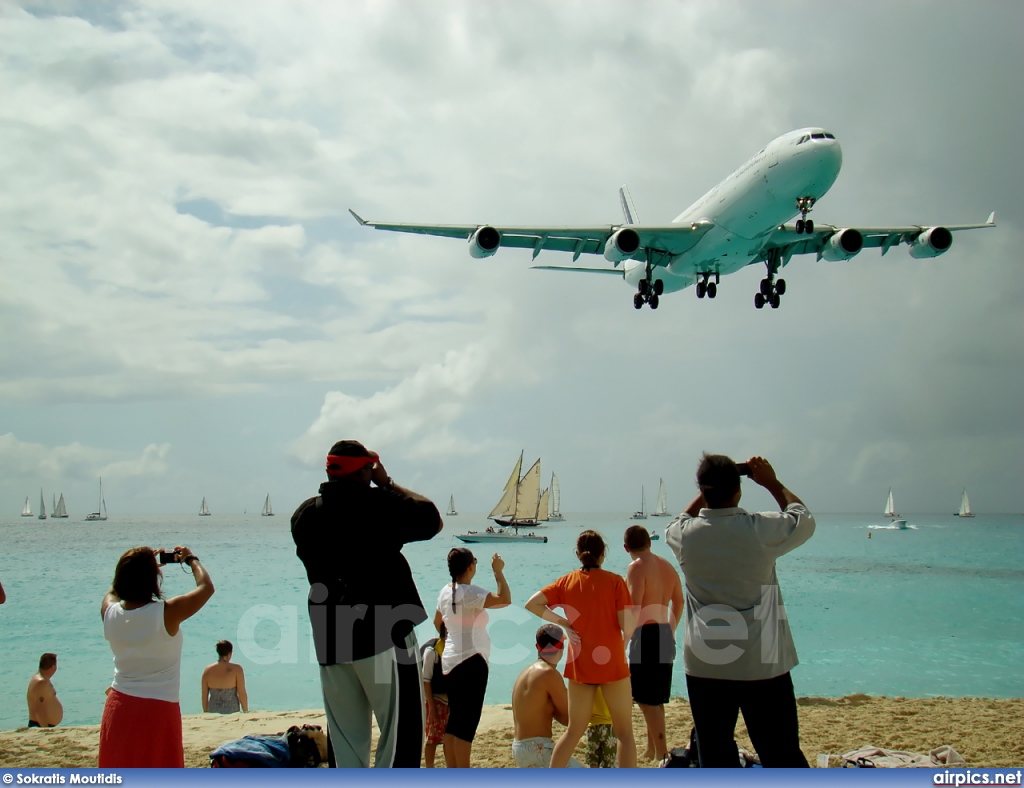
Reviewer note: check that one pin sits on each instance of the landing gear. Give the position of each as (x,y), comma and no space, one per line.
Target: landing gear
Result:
(638,301)
(770,290)
(648,291)
(707,288)
(803,224)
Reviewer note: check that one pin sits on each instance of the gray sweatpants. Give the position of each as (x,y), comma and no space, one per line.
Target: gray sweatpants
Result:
(388,686)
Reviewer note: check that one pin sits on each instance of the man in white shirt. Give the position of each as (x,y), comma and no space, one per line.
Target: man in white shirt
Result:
(737,646)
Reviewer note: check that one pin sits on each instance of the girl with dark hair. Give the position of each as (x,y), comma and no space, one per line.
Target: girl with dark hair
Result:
(141,723)
(224,683)
(598,622)
(461,608)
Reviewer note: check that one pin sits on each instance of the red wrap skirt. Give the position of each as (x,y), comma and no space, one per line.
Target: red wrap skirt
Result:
(140,733)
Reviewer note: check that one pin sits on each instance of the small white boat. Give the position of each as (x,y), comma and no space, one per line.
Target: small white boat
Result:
(642,514)
(42,505)
(451,508)
(26,510)
(890,511)
(965,506)
(204,510)
(268,510)
(662,510)
(510,534)
(60,510)
(556,501)
(101,510)
(654,536)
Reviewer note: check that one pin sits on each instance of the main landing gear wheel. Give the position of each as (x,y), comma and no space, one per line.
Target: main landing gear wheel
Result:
(638,301)
(644,287)
(659,287)
(780,287)
(775,301)
(653,300)
(766,287)
(770,291)
(758,301)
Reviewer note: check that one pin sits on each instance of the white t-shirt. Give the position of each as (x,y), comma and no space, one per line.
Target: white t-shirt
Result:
(467,625)
(147,661)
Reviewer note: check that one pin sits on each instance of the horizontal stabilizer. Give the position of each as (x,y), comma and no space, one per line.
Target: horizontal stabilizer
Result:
(577,270)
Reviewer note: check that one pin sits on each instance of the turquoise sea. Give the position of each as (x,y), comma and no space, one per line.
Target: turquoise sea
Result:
(937,609)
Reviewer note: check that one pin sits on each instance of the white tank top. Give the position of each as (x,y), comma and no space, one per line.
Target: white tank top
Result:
(147,661)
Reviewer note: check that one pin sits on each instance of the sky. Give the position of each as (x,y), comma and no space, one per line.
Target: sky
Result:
(187,309)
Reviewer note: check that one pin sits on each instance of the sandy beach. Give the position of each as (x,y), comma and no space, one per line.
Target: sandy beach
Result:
(987,733)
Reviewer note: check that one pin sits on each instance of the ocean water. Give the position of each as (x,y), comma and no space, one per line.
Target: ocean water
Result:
(937,609)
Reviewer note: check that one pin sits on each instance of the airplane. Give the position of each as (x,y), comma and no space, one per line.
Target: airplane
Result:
(742,221)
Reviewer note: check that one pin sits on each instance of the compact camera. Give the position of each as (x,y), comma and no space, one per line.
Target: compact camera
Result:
(167,558)
(743,468)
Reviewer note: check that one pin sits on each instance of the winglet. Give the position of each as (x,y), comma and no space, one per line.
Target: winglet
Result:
(991,218)
(358,218)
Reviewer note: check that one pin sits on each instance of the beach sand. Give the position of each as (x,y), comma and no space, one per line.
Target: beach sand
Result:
(987,733)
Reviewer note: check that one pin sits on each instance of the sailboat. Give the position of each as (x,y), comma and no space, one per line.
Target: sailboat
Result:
(519,506)
(642,514)
(268,510)
(543,512)
(26,510)
(204,510)
(662,510)
(451,508)
(42,505)
(965,506)
(890,511)
(60,510)
(101,510)
(556,500)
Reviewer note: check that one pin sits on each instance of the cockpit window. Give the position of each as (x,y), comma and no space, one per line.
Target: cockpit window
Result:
(818,135)
(829,136)
(803,139)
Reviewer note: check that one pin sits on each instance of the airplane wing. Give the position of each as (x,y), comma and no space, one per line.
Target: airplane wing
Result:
(665,241)
(825,240)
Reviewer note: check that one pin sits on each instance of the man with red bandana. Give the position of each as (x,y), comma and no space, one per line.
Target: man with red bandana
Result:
(363,605)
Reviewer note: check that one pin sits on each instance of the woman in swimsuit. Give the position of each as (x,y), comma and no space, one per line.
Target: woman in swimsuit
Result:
(224,683)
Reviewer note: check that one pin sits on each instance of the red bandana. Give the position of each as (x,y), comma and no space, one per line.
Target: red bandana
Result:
(346,465)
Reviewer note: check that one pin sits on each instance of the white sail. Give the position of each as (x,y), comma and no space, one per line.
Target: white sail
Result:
(662,510)
(528,494)
(26,510)
(965,505)
(204,510)
(101,510)
(42,505)
(890,509)
(556,499)
(543,513)
(60,510)
(268,509)
(506,506)
(451,506)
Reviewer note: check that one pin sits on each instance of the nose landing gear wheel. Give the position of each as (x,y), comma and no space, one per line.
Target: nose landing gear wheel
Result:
(809,226)
(702,289)
(712,289)
(799,226)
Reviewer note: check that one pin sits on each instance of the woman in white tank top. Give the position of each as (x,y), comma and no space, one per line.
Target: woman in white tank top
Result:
(141,724)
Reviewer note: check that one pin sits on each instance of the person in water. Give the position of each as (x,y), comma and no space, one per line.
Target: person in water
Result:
(224,683)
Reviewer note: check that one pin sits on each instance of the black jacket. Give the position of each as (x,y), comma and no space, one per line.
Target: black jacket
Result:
(362,597)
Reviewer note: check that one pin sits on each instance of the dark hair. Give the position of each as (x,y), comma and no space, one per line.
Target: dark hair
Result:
(224,648)
(47,661)
(590,547)
(718,479)
(459,560)
(549,635)
(637,538)
(443,634)
(137,576)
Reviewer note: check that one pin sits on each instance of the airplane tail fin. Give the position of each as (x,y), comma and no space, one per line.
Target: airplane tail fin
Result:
(628,209)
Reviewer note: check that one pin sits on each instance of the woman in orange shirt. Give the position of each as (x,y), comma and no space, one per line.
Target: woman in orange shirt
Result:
(598,624)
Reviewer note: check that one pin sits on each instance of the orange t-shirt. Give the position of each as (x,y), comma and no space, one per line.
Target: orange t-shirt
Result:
(591,601)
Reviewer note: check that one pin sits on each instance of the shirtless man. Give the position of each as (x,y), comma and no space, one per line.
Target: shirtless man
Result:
(44,710)
(658,599)
(538,697)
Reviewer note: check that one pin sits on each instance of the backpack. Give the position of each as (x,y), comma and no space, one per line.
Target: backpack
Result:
(683,757)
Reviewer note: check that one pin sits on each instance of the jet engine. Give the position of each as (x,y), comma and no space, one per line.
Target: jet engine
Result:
(622,245)
(484,242)
(931,243)
(843,245)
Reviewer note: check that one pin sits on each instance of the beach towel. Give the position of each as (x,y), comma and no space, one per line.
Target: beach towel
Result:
(878,758)
(140,733)
(303,747)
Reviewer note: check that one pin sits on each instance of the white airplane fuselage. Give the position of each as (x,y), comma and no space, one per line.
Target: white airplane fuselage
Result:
(749,205)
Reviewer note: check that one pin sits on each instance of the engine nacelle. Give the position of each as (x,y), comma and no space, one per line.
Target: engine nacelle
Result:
(931,243)
(484,242)
(843,245)
(622,245)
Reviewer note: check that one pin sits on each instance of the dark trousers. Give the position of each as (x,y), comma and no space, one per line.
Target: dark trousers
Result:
(769,710)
